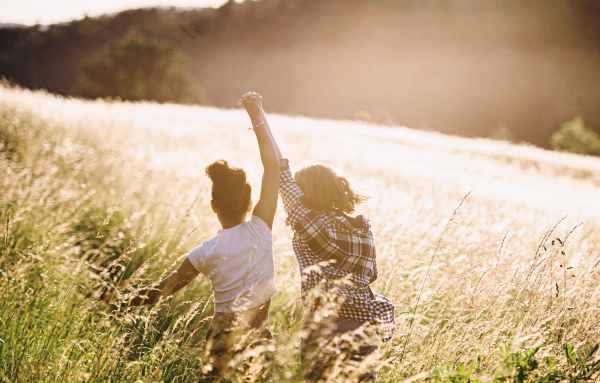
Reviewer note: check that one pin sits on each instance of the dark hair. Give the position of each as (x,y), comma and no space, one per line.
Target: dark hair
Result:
(231,192)
(325,190)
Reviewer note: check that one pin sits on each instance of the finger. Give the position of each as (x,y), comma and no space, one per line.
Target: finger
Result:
(243,98)
(251,95)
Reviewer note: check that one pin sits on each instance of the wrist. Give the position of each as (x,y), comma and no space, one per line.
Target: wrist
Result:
(256,120)
(284,164)
(257,126)
(257,123)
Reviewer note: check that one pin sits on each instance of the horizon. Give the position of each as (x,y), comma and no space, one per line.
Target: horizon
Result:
(32,12)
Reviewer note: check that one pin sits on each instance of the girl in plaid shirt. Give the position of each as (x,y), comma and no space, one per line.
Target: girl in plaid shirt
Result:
(337,258)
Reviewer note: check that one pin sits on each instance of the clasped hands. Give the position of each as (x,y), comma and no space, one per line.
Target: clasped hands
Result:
(252,101)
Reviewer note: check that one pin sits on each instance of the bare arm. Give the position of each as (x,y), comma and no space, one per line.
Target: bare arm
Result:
(279,155)
(180,278)
(267,204)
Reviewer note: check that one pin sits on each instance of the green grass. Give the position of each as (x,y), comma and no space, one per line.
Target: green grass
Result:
(101,192)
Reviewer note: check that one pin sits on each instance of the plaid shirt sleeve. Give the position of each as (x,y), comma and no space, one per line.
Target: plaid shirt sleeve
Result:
(343,250)
(290,194)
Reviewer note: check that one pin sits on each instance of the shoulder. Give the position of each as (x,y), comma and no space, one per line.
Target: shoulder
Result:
(258,228)
(357,222)
(256,224)
(364,222)
(359,225)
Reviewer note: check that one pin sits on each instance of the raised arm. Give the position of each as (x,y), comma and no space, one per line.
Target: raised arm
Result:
(267,203)
(180,278)
(290,192)
(279,155)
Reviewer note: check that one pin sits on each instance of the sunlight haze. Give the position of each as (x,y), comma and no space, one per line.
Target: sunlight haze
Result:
(408,191)
(30,12)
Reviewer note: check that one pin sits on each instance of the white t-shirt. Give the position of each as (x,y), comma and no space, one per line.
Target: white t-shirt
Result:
(239,262)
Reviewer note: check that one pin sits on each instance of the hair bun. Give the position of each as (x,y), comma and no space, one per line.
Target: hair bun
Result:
(219,171)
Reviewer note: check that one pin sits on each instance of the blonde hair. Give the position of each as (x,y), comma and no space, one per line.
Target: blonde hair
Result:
(324,189)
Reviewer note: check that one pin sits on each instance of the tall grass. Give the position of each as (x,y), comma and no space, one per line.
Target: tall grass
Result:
(93,192)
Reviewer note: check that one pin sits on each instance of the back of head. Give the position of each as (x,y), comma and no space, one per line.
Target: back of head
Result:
(325,190)
(231,192)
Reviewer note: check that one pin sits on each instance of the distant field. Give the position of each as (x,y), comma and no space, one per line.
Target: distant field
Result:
(101,191)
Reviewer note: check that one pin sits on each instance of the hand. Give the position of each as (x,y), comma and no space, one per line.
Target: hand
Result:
(253,103)
(110,294)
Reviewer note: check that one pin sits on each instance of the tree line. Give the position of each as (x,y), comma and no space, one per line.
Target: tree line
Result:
(474,68)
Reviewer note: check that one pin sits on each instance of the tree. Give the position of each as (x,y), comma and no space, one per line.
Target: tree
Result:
(575,137)
(137,69)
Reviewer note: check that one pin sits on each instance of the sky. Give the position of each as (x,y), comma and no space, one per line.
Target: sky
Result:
(30,12)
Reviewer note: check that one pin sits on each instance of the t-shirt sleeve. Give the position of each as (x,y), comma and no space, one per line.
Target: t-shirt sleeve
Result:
(259,229)
(196,257)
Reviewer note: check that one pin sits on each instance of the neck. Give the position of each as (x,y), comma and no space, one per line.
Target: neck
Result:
(229,223)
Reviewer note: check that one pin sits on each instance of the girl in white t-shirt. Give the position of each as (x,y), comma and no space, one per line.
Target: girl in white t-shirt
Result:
(238,260)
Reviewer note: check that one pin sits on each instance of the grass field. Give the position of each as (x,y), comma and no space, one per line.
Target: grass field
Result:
(96,191)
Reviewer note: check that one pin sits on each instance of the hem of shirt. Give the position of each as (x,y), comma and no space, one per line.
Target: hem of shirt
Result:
(192,262)
(249,308)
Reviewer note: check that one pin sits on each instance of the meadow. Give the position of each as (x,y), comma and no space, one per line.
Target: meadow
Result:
(486,248)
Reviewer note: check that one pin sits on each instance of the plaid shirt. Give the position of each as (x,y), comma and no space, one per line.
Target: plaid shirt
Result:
(336,256)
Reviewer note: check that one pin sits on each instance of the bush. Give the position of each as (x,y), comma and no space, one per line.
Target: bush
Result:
(137,69)
(523,367)
(458,374)
(575,137)
(517,366)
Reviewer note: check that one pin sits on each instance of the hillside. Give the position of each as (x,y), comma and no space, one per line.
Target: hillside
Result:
(113,191)
(469,68)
